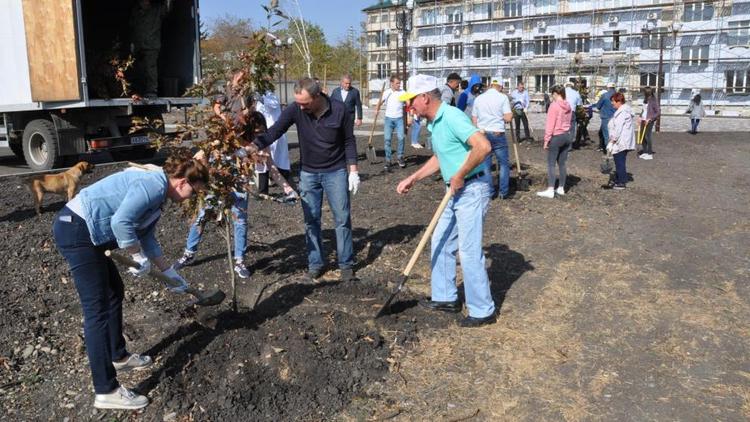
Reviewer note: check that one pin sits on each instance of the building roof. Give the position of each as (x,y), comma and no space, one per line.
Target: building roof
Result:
(382,4)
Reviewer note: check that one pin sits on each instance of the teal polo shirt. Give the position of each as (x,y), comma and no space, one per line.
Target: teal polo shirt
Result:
(451,129)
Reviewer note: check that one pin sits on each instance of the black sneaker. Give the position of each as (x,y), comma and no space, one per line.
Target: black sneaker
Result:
(347,274)
(401,163)
(241,270)
(387,166)
(471,322)
(452,307)
(619,186)
(313,274)
(185,260)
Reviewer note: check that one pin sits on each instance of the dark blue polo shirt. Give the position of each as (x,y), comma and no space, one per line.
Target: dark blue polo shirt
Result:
(326,144)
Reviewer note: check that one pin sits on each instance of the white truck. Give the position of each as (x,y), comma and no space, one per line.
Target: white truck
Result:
(54,74)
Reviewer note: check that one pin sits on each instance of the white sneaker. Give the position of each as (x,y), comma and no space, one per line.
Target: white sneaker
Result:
(549,193)
(560,191)
(122,398)
(134,361)
(647,157)
(417,146)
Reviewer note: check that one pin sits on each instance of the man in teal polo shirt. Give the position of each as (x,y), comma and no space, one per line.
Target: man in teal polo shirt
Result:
(460,150)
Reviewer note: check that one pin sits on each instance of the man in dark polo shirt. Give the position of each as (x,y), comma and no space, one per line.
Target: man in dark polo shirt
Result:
(328,157)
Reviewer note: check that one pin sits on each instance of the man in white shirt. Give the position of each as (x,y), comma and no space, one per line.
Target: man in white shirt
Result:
(574,100)
(520,99)
(394,120)
(490,113)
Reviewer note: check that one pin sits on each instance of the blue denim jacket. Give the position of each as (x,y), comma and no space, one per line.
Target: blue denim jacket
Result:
(116,206)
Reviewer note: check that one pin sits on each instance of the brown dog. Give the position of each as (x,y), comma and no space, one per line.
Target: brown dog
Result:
(61,183)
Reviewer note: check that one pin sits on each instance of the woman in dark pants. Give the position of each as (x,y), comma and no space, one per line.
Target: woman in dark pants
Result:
(651,112)
(557,141)
(621,138)
(120,210)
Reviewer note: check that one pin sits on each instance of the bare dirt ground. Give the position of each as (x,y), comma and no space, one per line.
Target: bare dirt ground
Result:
(629,305)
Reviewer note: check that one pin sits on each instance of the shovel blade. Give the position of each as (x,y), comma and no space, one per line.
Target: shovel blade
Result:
(210,299)
(371,154)
(384,309)
(522,184)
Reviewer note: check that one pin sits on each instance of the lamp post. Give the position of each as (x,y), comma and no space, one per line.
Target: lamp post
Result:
(289,44)
(404,24)
(674,28)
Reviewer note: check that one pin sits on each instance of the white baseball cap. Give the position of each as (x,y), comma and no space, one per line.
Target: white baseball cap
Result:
(610,85)
(418,84)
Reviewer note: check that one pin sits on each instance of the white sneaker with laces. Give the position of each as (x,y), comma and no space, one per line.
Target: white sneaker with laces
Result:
(548,193)
(134,361)
(560,191)
(122,398)
(647,157)
(241,270)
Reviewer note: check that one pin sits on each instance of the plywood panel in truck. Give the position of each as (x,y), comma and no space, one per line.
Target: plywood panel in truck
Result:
(51,49)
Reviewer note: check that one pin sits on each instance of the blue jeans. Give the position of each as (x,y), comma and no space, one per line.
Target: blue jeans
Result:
(239,211)
(390,125)
(620,170)
(500,150)
(694,124)
(101,292)
(604,134)
(460,230)
(416,127)
(336,187)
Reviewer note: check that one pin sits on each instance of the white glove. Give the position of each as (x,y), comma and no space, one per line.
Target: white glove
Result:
(610,147)
(172,273)
(353,182)
(144,265)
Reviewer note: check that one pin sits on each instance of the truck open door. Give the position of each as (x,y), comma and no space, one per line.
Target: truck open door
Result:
(51,48)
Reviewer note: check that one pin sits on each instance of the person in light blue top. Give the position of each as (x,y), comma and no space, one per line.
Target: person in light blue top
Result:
(606,111)
(460,150)
(119,211)
(520,101)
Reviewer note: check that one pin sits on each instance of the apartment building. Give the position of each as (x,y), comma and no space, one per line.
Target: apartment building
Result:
(704,46)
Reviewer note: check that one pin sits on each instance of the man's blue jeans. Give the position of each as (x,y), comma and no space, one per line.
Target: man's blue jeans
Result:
(336,187)
(239,212)
(390,125)
(101,292)
(460,230)
(604,134)
(500,149)
(416,127)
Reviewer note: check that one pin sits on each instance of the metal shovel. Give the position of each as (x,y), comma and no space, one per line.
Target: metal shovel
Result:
(371,149)
(415,255)
(202,299)
(522,183)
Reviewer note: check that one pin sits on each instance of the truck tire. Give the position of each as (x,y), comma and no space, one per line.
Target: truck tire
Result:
(40,145)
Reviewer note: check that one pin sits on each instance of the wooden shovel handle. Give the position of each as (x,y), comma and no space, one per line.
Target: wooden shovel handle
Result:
(377,112)
(515,147)
(428,232)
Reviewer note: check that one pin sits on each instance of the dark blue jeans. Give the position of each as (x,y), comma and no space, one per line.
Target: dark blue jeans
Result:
(500,150)
(621,172)
(336,187)
(100,290)
(694,124)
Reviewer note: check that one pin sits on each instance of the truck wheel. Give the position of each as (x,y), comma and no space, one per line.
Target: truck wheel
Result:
(40,145)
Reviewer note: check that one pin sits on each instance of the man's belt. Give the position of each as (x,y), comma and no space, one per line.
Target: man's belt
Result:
(494,133)
(470,178)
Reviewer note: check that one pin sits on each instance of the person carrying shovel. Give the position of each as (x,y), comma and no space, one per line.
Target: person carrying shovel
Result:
(120,210)
(460,150)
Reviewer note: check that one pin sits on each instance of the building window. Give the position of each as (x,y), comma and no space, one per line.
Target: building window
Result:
(428,53)
(482,49)
(454,14)
(373,19)
(384,18)
(739,33)
(614,4)
(384,70)
(544,82)
(579,43)
(512,8)
(455,51)
(694,56)
(612,40)
(429,17)
(544,45)
(579,5)
(700,11)
(648,79)
(542,7)
(483,11)
(486,81)
(381,38)
(512,47)
(737,81)
(650,40)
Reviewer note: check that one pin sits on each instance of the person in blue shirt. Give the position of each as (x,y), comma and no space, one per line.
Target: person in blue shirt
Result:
(574,101)
(519,102)
(606,111)
(119,211)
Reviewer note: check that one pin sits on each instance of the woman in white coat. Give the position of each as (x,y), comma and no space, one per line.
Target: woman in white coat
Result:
(270,106)
(696,113)
(621,138)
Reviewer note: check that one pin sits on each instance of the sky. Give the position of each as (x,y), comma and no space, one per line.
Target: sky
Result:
(334,16)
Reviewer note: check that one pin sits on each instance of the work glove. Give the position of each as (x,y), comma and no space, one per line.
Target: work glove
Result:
(144,265)
(172,273)
(353,182)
